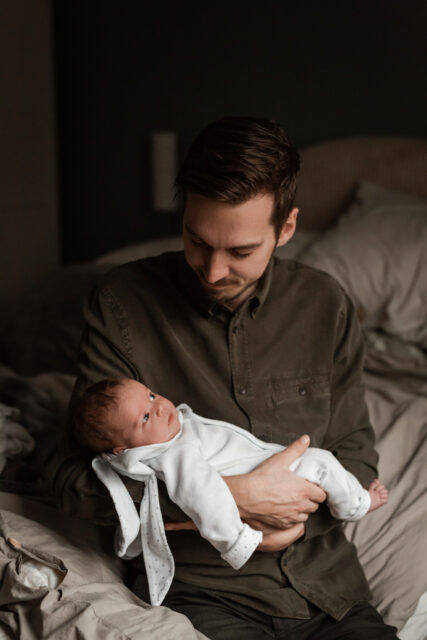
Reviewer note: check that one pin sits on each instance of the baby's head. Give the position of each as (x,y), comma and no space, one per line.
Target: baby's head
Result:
(118,414)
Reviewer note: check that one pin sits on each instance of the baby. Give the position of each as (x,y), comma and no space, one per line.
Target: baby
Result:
(139,434)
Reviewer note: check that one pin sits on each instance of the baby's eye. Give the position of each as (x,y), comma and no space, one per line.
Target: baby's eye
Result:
(152,396)
(146,417)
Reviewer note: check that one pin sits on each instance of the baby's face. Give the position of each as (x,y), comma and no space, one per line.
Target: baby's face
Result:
(142,417)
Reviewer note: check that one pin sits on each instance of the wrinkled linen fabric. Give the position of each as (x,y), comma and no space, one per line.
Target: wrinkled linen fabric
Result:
(87,598)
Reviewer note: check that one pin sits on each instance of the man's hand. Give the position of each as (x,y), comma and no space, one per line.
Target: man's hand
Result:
(271,496)
(278,539)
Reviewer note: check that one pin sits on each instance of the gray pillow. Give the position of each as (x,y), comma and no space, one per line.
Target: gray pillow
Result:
(378,252)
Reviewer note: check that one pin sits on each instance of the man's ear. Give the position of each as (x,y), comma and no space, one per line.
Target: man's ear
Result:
(288,228)
(117,450)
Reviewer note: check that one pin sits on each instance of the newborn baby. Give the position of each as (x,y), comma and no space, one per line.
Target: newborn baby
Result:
(142,435)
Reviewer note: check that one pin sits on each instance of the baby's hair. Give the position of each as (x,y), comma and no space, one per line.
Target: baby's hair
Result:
(90,415)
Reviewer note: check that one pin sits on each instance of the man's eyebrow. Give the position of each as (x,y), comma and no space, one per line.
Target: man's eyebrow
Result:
(240,247)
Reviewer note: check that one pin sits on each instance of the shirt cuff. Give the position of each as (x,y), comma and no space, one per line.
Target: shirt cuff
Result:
(243,548)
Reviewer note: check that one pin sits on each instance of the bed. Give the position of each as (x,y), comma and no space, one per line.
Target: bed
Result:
(363,219)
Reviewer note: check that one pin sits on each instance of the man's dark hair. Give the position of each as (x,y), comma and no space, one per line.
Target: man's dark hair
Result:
(90,412)
(237,158)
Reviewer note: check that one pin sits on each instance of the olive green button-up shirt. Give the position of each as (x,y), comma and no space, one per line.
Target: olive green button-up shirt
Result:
(287,362)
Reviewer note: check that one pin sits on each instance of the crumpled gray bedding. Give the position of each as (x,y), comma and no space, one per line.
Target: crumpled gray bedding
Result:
(41,403)
(15,439)
(57,584)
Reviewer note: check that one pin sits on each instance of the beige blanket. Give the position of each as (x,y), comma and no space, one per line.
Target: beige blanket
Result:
(56,583)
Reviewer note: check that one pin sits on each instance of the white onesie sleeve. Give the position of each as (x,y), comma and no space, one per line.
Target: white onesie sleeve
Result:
(200,491)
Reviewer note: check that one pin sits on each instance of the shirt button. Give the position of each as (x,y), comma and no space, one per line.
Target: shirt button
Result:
(263,436)
(235,330)
(302,390)
(242,391)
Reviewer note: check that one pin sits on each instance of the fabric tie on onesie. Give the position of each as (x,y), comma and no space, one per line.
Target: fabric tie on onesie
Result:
(144,532)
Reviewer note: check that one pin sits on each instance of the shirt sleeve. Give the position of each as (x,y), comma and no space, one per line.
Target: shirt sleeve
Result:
(202,494)
(350,436)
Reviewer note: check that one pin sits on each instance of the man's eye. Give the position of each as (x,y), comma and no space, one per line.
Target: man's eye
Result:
(240,255)
(146,417)
(152,396)
(197,243)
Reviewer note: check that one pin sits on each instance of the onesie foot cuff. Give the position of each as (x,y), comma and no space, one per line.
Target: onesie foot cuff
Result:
(362,509)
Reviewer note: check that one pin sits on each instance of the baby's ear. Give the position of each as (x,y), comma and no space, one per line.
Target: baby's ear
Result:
(117,450)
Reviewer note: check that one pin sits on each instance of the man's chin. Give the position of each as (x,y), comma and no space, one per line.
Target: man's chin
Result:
(231,298)
(221,294)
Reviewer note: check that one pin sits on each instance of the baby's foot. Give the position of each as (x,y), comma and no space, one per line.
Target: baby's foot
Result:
(379,495)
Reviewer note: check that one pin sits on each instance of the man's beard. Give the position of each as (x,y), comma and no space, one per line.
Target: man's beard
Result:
(223,298)
(227,300)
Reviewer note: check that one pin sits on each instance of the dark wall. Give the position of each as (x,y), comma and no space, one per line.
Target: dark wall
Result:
(323,69)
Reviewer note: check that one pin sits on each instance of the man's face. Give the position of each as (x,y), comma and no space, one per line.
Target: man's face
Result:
(229,246)
(141,417)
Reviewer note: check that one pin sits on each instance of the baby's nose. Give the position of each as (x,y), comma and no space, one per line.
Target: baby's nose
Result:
(159,409)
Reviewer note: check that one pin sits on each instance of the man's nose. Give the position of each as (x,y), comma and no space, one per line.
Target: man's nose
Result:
(215,268)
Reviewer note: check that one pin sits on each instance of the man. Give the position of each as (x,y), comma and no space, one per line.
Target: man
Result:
(269,345)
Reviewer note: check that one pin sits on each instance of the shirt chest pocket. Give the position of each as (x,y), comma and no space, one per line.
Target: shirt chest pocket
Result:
(299,405)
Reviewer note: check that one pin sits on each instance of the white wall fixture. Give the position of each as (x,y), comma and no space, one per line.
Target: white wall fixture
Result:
(164,146)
